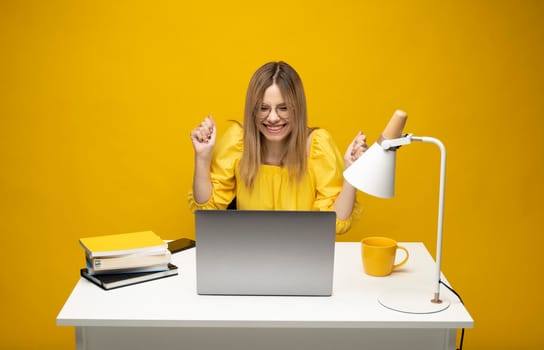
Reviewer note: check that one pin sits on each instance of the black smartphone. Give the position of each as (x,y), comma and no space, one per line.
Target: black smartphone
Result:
(180,244)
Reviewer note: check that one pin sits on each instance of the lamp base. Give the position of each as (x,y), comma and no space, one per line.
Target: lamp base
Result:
(412,302)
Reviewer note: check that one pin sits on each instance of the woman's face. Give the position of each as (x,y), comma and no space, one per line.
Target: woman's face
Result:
(273,116)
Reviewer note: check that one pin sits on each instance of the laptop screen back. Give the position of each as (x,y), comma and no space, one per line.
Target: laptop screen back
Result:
(241,252)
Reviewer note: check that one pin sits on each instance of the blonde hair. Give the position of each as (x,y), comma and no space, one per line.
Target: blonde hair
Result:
(290,85)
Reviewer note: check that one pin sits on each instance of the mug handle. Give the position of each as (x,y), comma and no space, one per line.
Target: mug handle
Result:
(405,258)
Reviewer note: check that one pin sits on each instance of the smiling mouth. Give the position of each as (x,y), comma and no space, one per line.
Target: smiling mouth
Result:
(274,129)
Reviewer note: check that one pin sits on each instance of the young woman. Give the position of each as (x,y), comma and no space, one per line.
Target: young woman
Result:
(274,161)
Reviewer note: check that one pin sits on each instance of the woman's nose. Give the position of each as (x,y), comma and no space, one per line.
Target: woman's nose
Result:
(273,115)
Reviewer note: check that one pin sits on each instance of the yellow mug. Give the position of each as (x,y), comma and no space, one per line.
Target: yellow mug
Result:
(379,254)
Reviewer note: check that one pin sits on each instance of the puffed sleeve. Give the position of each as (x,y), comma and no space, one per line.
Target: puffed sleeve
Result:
(225,158)
(327,164)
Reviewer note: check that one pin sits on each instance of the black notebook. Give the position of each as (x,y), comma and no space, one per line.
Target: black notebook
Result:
(111,281)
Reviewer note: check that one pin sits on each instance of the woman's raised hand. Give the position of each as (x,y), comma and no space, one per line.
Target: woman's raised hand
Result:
(356,148)
(203,137)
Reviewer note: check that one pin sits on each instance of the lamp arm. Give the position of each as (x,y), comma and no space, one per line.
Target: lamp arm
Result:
(393,144)
(440,225)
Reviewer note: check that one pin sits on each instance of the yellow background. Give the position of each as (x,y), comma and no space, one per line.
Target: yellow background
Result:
(97,99)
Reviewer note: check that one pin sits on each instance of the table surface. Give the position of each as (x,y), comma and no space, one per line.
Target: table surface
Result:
(173,301)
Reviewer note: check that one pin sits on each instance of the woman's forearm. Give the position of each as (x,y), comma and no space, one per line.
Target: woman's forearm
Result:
(345,201)
(202,184)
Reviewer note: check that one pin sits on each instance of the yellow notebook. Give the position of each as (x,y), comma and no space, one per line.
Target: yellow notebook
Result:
(122,244)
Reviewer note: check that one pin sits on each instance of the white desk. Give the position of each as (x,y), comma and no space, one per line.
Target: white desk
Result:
(168,314)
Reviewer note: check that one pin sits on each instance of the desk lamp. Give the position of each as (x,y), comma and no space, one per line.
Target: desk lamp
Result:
(374,173)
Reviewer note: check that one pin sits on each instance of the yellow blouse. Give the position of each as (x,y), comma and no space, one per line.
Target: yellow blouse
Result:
(274,188)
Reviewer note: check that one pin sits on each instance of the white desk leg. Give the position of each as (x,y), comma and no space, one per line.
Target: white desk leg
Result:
(81,341)
(450,341)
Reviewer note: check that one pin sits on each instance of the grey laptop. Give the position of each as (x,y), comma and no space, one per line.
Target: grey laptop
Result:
(245,252)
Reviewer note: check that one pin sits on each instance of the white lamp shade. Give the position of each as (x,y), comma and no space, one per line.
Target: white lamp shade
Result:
(374,172)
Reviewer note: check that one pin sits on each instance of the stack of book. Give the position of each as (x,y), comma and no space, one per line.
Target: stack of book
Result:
(119,260)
